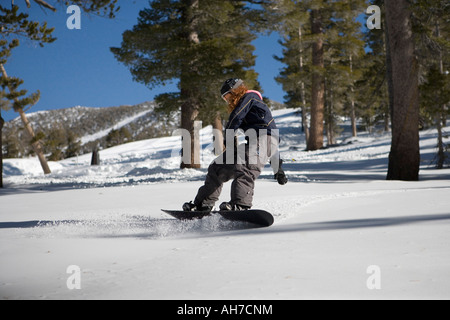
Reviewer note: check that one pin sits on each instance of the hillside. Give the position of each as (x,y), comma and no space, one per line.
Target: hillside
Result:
(79,130)
(90,127)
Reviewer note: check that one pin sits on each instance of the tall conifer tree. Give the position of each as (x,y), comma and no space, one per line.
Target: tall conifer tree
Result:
(15,24)
(373,86)
(323,44)
(433,49)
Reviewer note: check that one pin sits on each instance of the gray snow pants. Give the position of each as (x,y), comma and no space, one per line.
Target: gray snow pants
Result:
(243,164)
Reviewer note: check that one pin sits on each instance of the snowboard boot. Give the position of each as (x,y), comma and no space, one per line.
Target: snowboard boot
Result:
(228,206)
(190,206)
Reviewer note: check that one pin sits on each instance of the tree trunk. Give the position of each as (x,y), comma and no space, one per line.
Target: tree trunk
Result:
(441,117)
(2,122)
(329,119)
(191,143)
(218,134)
(441,151)
(352,102)
(315,141)
(190,108)
(37,147)
(404,158)
(305,124)
(390,86)
(386,122)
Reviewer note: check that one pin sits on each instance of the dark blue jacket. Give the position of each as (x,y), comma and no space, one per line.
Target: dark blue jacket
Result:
(251,113)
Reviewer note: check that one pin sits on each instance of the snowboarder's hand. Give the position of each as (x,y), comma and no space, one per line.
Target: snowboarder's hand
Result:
(281,178)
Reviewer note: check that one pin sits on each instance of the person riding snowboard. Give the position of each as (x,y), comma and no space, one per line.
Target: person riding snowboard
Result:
(244,162)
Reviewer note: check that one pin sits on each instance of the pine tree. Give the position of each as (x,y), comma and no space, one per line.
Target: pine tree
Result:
(118,136)
(435,94)
(323,47)
(198,43)
(18,105)
(14,25)
(344,59)
(317,17)
(12,146)
(295,76)
(73,145)
(373,86)
(432,31)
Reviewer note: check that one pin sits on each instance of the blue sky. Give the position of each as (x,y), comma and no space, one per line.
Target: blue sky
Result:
(79,69)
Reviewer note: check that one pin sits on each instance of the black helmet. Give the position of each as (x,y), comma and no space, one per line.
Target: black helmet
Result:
(229,85)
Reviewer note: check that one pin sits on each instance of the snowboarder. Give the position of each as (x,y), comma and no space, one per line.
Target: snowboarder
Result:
(244,162)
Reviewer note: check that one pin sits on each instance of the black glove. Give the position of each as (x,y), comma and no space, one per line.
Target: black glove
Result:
(280,176)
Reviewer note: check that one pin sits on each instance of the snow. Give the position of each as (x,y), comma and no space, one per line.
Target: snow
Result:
(336,221)
(120,124)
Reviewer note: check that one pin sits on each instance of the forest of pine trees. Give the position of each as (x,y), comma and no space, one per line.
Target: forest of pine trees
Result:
(335,68)
(395,77)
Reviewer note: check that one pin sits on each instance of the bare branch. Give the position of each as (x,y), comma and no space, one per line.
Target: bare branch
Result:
(44,4)
(28,3)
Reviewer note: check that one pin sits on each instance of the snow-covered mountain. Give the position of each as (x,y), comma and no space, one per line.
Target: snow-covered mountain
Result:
(91,126)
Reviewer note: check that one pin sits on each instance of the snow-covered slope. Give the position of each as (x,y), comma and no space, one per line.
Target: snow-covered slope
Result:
(341,230)
(91,126)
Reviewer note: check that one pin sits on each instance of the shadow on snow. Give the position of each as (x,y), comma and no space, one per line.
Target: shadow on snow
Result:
(151,228)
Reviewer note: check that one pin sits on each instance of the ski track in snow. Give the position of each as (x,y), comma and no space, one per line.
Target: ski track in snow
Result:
(119,225)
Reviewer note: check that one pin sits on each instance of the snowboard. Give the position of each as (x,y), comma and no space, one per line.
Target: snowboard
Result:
(259,217)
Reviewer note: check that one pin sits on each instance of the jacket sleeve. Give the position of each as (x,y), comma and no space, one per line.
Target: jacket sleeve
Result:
(239,113)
